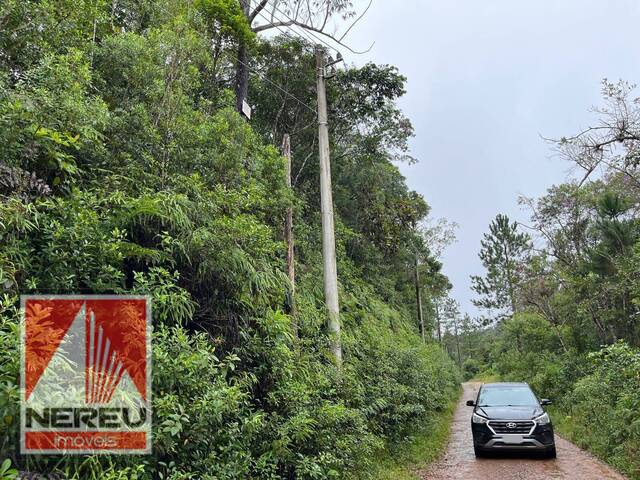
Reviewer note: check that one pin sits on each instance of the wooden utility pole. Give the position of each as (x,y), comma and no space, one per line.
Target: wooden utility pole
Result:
(419,299)
(326,208)
(455,327)
(288,233)
(438,321)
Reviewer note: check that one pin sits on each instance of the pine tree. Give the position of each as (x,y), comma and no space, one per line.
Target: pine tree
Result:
(503,251)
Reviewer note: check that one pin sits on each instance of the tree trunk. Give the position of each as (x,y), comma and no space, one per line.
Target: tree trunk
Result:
(242,65)
(242,76)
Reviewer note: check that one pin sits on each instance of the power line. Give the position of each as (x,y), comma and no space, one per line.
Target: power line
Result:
(297,34)
(312,38)
(321,40)
(264,77)
(321,32)
(309,34)
(284,32)
(306,31)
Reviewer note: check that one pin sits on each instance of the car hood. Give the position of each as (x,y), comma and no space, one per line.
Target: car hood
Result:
(510,413)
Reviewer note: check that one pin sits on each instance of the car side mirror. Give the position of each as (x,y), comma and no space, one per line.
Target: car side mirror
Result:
(471,403)
(545,401)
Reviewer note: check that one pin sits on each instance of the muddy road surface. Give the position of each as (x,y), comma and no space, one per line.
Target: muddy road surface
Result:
(459,463)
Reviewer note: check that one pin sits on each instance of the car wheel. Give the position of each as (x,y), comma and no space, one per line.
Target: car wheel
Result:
(552,453)
(479,453)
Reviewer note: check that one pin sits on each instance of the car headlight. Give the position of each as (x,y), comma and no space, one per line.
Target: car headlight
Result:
(475,418)
(543,419)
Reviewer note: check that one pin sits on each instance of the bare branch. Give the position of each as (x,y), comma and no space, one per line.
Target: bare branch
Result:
(357,20)
(308,23)
(326,15)
(268,26)
(257,10)
(304,163)
(289,23)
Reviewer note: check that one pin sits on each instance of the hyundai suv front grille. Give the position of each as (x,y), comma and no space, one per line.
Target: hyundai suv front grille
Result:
(519,427)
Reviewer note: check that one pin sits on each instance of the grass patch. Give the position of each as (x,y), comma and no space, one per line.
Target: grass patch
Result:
(422,449)
(562,422)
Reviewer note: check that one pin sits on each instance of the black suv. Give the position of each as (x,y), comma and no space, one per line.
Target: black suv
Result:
(508,416)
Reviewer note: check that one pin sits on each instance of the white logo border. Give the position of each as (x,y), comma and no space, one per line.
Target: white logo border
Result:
(149,365)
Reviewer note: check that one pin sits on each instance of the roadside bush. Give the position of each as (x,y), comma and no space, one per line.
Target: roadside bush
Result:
(528,350)
(600,389)
(609,398)
(266,411)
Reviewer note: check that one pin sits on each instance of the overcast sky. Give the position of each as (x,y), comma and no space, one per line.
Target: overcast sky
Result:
(485,80)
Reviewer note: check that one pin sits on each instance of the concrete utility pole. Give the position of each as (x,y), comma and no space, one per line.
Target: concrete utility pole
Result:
(419,299)
(288,233)
(326,203)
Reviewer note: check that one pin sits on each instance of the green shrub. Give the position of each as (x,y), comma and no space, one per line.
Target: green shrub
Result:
(609,397)
(268,410)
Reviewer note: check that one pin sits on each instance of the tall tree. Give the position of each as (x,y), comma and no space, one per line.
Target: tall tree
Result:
(504,250)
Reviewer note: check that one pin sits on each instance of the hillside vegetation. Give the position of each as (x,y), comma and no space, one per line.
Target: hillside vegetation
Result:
(124,168)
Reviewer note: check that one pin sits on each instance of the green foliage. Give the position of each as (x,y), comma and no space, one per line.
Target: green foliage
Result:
(503,250)
(526,351)
(228,17)
(270,410)
(6,472)
(423,447)
(50,119)
(9,370)
(471,368)
(378,220)
(609,396)
(125,170)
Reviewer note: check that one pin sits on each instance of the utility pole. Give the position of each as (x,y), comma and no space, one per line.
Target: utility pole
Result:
(438,321)
(326,208)
(288,234)
(419,299)
(455,327)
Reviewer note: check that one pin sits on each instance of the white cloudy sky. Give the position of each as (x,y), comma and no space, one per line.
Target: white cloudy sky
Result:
(485,80)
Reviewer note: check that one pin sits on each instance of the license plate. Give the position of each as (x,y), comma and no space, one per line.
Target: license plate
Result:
(514,439)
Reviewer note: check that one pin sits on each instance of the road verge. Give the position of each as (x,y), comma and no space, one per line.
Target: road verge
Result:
(402,462)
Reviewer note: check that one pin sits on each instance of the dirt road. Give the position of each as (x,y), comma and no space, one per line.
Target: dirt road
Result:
(459,462)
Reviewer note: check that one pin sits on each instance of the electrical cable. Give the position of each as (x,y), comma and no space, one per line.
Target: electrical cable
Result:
(264,77)
(309,34)
(297,34)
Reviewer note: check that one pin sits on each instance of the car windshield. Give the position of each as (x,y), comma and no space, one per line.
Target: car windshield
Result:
(507,396)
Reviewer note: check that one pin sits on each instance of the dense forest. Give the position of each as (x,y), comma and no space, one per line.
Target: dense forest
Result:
(561,293)
(125,167)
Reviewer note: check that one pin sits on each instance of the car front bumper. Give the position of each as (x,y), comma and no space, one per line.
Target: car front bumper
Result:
(540,439)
